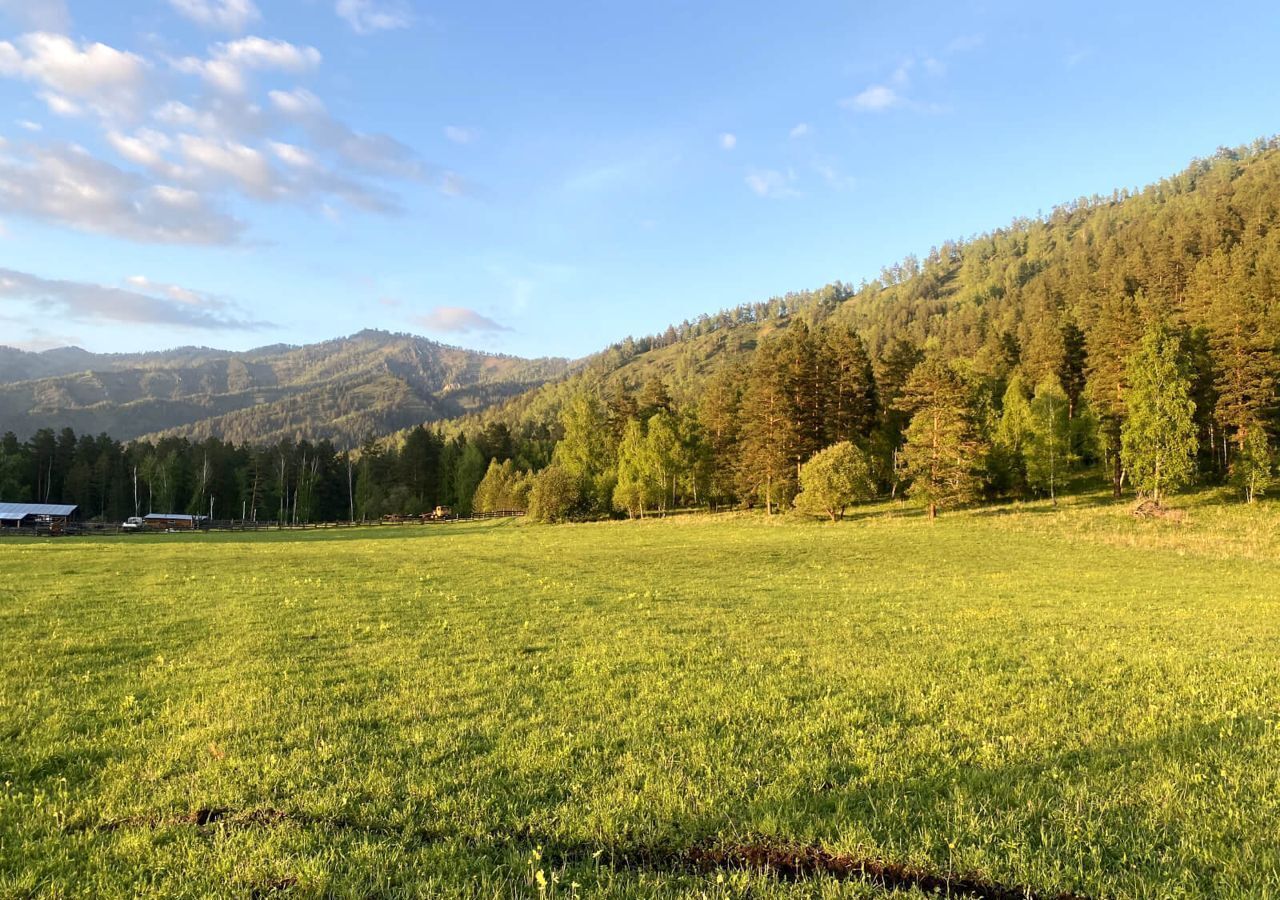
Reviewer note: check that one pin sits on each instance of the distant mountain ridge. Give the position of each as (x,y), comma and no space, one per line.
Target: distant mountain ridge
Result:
(372,382)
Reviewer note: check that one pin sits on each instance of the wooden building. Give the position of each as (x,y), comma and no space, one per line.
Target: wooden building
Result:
(173,522)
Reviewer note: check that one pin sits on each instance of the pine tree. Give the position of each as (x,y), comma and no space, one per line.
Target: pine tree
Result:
(1110,342)
(1071,372)
(804,373)
(943,450)
(766,457)
(851,404)
(718,409)
(1159,435)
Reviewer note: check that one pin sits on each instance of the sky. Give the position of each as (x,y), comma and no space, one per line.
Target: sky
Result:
(544,179)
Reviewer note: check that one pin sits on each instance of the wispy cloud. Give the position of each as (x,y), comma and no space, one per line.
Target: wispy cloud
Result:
(144,303)
(772,183)
(876,98)
(228,65)
(896,91)
(369,16)
(728,141)
(458,320)
(38,15)
(459,134)
(222,15)
(800,131)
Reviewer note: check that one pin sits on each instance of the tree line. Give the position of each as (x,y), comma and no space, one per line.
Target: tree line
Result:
(812,422)
(288,481)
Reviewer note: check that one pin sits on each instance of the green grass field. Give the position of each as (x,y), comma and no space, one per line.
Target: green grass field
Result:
(1069,699)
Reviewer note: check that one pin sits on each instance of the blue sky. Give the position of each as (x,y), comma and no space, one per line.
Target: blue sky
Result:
(544,179)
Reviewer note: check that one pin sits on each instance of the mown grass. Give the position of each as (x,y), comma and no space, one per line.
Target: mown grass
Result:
(1064,698)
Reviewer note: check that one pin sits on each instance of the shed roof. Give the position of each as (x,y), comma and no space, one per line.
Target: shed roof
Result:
(22,510)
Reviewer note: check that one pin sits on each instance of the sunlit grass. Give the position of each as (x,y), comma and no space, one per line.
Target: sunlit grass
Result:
(1066,698)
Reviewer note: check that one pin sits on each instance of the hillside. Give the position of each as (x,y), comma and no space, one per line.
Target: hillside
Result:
(1073,288)
(343,390)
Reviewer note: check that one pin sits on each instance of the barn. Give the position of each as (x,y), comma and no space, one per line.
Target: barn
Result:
(34,515)
(173,521)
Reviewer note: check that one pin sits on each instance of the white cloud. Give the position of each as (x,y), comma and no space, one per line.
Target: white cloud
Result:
(145,147)
(224,15)
(458,320)
(459,135)
(772,183)
(65,185)
(108,80)
(368,16)
(245,167)
(175,150)
(228,65)
(728,141)
(299,102)
(292,155)
(28,125)
(60,105)
(378,154)
(799,131)
(876,98)
(146,303)
(38,15)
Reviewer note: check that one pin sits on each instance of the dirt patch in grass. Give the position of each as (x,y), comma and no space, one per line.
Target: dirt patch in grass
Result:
(786,861)
(797,862)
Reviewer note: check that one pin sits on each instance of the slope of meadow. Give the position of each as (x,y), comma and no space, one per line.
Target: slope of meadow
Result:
(1068,699)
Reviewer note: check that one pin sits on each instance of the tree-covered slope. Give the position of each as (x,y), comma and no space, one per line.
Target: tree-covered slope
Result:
(1066,294)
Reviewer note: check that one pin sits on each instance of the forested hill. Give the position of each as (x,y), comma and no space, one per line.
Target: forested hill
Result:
(342,390)
(1067,294)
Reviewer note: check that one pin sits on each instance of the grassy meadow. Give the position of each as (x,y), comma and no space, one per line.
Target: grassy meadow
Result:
(1068,699)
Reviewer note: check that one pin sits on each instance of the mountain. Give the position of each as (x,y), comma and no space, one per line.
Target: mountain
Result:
(344,389)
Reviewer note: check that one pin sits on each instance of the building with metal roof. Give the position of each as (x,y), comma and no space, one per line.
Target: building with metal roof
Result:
(27,514)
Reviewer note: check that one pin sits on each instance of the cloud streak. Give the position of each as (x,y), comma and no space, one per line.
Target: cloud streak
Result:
(148,304)
(367,16)
(221,15)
